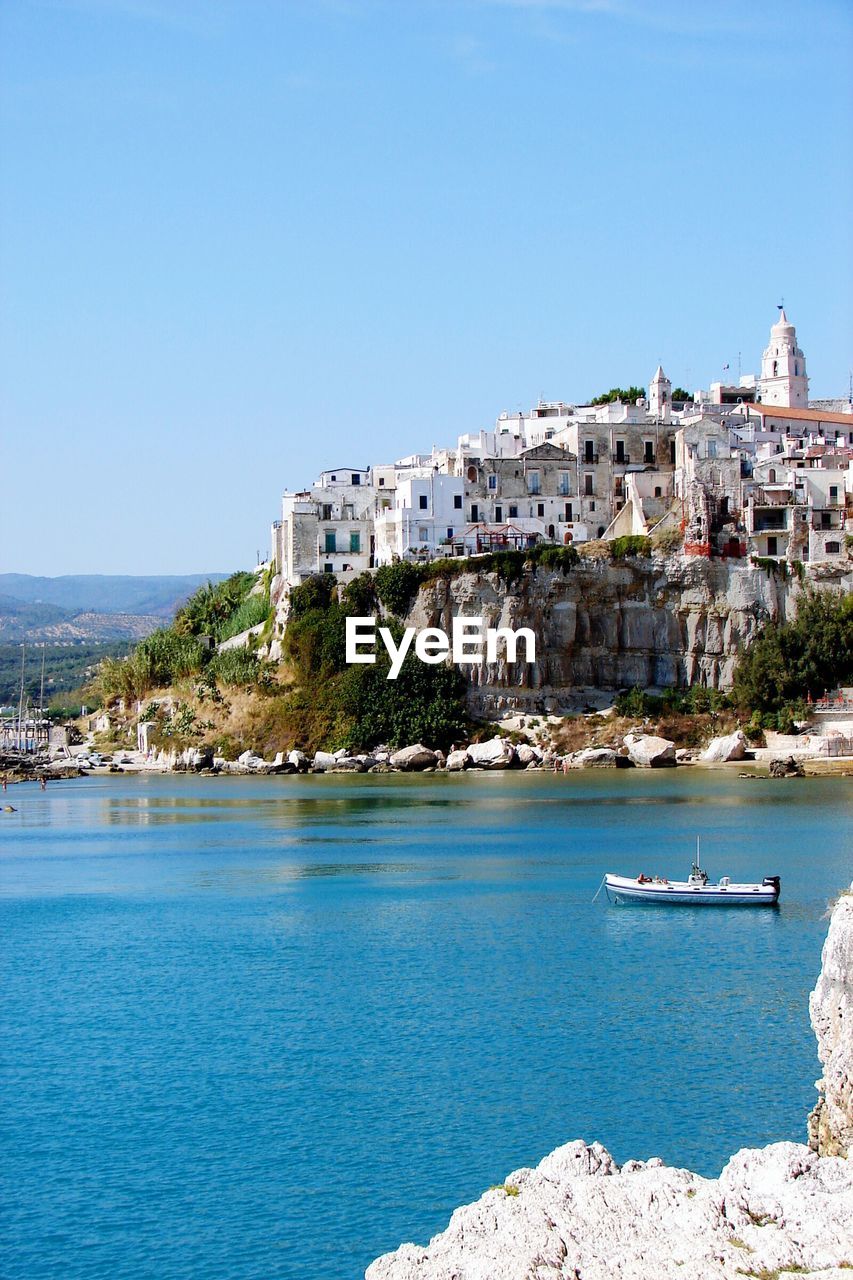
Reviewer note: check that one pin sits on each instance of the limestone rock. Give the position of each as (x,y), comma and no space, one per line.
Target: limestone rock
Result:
(457,760)
(498,753)
(578,1214)
(526,754)
(648,752)
(299,759)
(323,761)
(730,747)
(831,1010)
(413,758)
(594,758)
(346,764)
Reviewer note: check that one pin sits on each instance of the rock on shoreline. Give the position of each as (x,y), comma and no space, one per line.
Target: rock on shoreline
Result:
(579,1216)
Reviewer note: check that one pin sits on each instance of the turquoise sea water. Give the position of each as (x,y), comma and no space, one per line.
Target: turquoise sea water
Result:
(273,1028)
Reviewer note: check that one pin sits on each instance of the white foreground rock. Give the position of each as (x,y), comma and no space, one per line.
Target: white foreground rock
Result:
(649,752)
(415,757)
(497,753)
(457,760)
(831,1009)
(720,750)
(578,1214)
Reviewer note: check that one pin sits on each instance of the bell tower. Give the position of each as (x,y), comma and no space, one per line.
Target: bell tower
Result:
(783,368)
(660,395)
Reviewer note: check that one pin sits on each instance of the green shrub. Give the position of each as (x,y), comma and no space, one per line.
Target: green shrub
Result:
(235,667)
(632,544)
(315,592)
(551,557)
(396,584)
(208,611)
(788,662)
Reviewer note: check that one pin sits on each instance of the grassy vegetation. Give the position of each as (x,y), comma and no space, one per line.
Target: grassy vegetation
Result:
(173,654)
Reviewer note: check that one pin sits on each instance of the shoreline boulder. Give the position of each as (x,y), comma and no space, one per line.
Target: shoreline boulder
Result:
(498,753)
(648,752)
(413,759)
(721,750)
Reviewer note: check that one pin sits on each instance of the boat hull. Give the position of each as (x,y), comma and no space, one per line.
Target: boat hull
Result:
(626,892)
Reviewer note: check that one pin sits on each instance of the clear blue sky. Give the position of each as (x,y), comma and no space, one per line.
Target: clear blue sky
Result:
(242,241)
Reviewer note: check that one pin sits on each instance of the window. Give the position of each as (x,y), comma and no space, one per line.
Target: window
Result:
(620,450)
(773,546)
(568,515)
(587,485)
(513,513)
(449,534)
(672,452)
(331,544)
(658,491)
(649,451)
(422,502)
(356,479)
(386,504)
(327,511)
(327,568)
(533,485)
(825,520)
(589,451)
(833,548)
(833,493)
(475,513)
(540,508)
(771,476)
(355,542)
(617,485)
(423,534)
(564,484)
(457,501)
(381,482)
(472,474)
(493,482)
(499,515)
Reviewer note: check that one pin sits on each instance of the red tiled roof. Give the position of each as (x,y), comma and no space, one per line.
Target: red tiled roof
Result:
(805,415)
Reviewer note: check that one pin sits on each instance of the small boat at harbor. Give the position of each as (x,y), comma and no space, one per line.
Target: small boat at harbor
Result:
(696,891)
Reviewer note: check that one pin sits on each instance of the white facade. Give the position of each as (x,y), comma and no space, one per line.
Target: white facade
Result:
(783,368)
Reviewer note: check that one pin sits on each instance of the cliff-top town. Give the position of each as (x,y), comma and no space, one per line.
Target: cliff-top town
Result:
(754,468)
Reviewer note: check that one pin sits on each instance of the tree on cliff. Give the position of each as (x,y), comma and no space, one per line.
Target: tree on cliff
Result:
(794,660)
(626,394)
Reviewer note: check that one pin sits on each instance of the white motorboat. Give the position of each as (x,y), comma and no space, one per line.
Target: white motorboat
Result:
(697,890)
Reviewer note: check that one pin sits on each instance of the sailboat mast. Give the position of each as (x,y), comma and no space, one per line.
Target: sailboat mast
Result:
(21,696)
(41,700)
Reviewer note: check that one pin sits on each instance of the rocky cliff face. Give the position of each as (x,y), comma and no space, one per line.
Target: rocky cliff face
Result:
(668,622)
(787,1208)
(831,1009)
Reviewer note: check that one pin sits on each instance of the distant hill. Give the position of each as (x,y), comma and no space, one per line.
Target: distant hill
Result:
(157,596)
(90,608)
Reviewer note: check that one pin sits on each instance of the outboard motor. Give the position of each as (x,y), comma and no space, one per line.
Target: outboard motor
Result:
(775,882)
